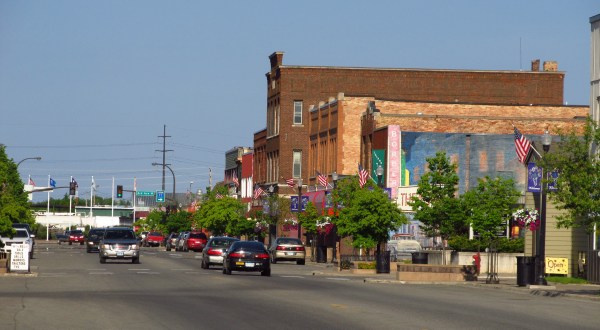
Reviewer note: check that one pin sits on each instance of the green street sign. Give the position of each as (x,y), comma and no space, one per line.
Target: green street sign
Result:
(144,193)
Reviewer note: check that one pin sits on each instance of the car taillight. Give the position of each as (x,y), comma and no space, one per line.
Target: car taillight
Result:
(300,248)
(214,252)
(262,256)
(279,247)
(236,254)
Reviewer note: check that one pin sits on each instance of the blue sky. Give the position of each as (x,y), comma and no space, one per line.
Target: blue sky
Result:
(88,85)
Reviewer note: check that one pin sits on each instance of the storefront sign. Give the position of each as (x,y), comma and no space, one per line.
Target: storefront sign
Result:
(393,159)
(404,196)
(557,266)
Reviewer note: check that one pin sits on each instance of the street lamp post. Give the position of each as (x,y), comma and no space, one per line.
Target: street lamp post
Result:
(541,242)
(299,182)
(172,173)
(22,160)
(334,176)
(379,172)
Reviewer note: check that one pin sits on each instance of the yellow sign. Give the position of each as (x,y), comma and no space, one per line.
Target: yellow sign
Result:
(557,266)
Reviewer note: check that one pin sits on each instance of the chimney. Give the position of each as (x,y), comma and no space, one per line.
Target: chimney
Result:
(535,65)
(550,66)
(276,59)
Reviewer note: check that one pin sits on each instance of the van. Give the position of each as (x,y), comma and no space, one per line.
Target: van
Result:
(403,247)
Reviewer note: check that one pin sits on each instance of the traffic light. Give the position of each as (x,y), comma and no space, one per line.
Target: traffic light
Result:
(119,191)
(72,188)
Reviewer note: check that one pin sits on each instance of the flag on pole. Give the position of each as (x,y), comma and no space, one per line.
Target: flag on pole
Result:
(258,191)
(322,179)
(290,183)
(52,183)
(363,175)
(235,180)
(75,182)
(134,184)
(31,182)
(522,146)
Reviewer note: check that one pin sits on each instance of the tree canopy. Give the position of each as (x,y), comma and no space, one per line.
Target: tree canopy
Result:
(577,163)
(14,207)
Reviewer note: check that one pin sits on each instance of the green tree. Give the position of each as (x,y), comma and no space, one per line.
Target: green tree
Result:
(368,216)
(489,206)
(221,216)
(578,183)
(14,207)
(308,220)
(436,205)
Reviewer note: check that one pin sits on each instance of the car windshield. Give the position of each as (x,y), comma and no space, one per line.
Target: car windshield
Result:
(249,246)
(76,232)
(154,234)
(292,241)
(96,233)
(222,242)
(21,233)
(119,234)
(198,235)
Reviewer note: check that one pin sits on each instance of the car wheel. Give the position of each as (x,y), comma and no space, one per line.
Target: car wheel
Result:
(88,250)
(266,272)
(135,260)
(58,242)
(31,255)
(102,260)
(228,271)
(168,248)
(300,262)
(81,243)
(224,270)
(70,243)
(273,259)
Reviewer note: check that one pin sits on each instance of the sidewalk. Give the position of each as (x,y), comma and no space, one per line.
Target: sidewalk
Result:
(586,291)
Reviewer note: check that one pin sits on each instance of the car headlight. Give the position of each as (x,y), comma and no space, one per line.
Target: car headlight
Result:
(135,247)
(106,246)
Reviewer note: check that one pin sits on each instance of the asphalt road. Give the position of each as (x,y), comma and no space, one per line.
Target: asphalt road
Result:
(169,290)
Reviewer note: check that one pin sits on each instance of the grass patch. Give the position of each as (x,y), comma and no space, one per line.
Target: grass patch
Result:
(566,280)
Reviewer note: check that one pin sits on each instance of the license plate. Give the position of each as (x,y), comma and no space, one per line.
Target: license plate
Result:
(290,253)
(249,264)
(120,254)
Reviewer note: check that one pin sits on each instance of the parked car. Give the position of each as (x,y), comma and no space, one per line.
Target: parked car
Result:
(212,254)
(180,244)
(195,241)
(21,236)
(171,241)
(119,243)
(76,236)
(26,226)
(63,238)
(287,248)
(93,238)
(154,238)
(247,256)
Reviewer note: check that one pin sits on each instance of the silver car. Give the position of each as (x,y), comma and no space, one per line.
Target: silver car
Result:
(119,243)
(287,248)
(22,236)
(212,254)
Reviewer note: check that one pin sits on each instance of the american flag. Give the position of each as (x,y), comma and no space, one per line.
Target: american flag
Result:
(235,180)
(290,182)
(258,191)
(31,182)
(363,175)
(522,146)
(322,179)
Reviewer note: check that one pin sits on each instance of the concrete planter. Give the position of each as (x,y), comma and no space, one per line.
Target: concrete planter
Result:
(507,262)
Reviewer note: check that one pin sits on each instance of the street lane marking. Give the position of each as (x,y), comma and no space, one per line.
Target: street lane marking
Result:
(292,276)
(337,278)
(52,274)
(101,273)
(96,270)
(139,269)
(182,269)
(149,273)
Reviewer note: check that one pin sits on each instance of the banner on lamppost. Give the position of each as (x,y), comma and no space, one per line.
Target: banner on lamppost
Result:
(303,203)
(534,178)
(294,203)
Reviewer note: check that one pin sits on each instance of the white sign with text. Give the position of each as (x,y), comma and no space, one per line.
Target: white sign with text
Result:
(19,257)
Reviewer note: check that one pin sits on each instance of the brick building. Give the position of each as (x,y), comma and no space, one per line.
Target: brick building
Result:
(291,90)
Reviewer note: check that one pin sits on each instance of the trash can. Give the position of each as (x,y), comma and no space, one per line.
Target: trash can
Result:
(322,254)
(382,262)
(419,258)
(525,270)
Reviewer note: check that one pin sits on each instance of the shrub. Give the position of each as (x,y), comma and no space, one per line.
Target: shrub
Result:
(366,265)
(503,245)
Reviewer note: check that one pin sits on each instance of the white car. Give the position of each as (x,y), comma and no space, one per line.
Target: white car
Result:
(22,236)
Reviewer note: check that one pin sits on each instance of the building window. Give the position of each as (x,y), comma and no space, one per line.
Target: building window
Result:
(297,163)
(297,112)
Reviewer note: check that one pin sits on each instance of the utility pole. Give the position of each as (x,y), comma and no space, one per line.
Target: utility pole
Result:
(164,151)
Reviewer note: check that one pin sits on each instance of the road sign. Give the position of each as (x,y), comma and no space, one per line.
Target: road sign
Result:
(160,196)
(144,193)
